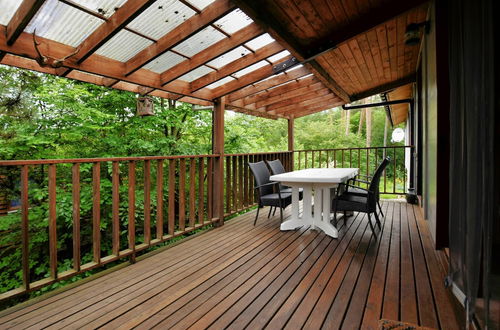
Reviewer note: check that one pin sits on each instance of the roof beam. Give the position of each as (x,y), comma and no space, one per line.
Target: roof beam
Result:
(121,18)
(307,101)
(312,95)
(251,112)
(247,60)
(309,110)
(384,87)
(223,46)
(185,30)
(245,80)
(292,93)
(21,19)
(263,85)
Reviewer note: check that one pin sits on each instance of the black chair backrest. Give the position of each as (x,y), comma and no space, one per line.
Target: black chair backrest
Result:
(375,182)
(276,166)
(261,176)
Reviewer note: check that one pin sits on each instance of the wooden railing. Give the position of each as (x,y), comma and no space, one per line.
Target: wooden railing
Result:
(393,180)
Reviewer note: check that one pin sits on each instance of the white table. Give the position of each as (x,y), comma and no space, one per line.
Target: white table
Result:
(319,181)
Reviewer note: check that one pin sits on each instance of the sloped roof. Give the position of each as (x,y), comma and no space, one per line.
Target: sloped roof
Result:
(269,58)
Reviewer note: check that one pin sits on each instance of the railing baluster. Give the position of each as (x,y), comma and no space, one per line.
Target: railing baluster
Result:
(235,184)
(171,196)
(182,194)
(359,159)
(342,157)
(394,176)
(312,159)
(115,193)
(245,181)
(350,158)
(75,171)
(201,193)
(147,202)
(210,188)
(131,209)
(367,162)
(334,158)
(159,199)
(96,211)
(228,185)
(385,176)
(319,159)
(52,221)
(192,192)
(25,226)
(327,159)
(240,182)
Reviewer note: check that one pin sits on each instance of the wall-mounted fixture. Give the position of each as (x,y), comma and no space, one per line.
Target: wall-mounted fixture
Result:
(412,34)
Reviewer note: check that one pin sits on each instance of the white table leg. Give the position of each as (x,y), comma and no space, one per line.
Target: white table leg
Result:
(326,201)
(295,222)
(307,205)
(317,207)
(325,225)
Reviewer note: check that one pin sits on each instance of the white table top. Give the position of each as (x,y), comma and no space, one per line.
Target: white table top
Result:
(322,175)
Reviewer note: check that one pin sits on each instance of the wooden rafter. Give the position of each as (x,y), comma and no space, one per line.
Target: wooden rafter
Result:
(185,30)
(312,95)
(21,19)
(316,108)
(311,100)
(263,85)
(291,94)
(223,46)
(251,112)
(385,87)
(247,60)
(123,16)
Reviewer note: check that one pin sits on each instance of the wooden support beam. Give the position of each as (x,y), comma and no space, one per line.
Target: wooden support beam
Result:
(252,58)
(185,30)
(123,16)
(384,88)
(263,85)
(244,81)
(22,17)
(218,162)
(223,46)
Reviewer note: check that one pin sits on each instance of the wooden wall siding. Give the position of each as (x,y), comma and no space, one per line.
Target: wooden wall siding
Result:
(257,276)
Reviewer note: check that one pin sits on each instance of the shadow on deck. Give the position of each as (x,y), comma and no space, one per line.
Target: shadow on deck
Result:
(241,276)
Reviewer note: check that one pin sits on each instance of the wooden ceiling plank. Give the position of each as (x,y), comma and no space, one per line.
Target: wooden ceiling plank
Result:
(247,60)
(288,109)
(219,48)
(22,17)
(107,30)
(317,108)
(290,94)
(313,96)
(185,30)
(384,87)
(263,85)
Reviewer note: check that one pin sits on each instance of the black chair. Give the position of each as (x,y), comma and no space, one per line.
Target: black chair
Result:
(268,192)
(362,192)
(277,168)
(367,203)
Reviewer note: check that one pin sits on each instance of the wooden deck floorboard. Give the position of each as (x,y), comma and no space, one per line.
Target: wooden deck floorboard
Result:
(240,276)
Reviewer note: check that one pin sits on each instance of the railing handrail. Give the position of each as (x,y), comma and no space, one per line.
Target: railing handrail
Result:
(356,148)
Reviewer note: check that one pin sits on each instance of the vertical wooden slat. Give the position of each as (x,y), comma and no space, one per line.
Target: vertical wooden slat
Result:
(334,158)
(245,181)
(75,170)
(25,226)
(299,165)
(209,188)
(131,207)
(327,159)
(159,199)
(201,193)
(234,187)
(240,182)
(312,159)
(228,185)
(147,201)
(394,168)
(171,196)
(385,174)
(359,159)
(96,211)
(350,158)
(192,192)
(116,208)
(319,158)
(217,163)
(182,194)
(367,162)
(305,159)
(250,177)
(343,157)
(52,221)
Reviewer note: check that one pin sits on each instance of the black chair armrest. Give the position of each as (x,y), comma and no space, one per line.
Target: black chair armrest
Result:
(266,184)
(368,191)
(362,181)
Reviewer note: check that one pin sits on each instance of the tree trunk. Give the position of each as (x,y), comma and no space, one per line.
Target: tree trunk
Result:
(361,120)
(368,128)
(347,122)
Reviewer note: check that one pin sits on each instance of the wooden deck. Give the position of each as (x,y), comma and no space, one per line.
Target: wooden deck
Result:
(241,276)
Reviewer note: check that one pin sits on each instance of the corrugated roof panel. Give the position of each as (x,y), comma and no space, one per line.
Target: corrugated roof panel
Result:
(250,68)
(164,62)
(260,41)
(234,21)
(221,82)
(201,4)
(123,46)
(196,73)
(279,56)
(65,24)
(161,17)
(229,57)
(200,41)
(103,7)
(9,8)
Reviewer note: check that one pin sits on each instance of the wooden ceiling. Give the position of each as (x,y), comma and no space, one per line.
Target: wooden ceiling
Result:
(348,49)
(399,112)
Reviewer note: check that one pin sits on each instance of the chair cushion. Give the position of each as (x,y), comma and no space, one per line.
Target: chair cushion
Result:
(352,202)
(289,191)
(274,200)
(357,191)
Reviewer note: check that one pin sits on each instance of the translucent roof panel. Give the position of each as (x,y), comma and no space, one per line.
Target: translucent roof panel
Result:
(199,42)
(8,8)
(294,68)
(161,17)
(196,73)
(103,7)
(164,62)
(234,21)
(115,49)
(279,56)
(60,22)
(229,57)
(221,82)
(260,42)
(250,68)
(201,4)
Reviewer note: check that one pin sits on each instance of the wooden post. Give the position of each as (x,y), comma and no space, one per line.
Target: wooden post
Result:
(218,162)
(291,141)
